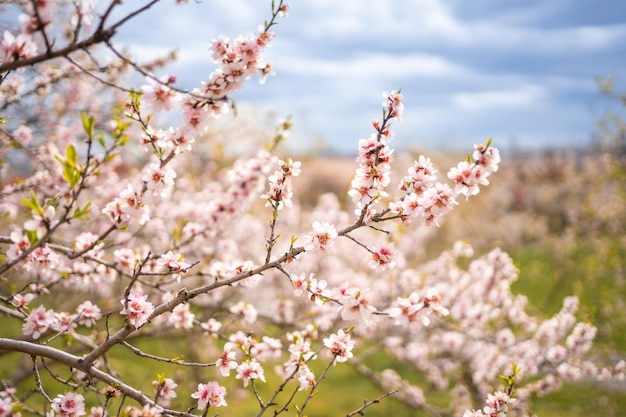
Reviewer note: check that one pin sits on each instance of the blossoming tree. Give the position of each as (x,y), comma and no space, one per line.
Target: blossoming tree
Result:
(122,233)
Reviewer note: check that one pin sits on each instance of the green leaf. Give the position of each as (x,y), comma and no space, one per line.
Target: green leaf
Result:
(101,140)
(33,203)
(70,155)
(88,122)
(80,213)
(71,174)
(32,237)
(488,142)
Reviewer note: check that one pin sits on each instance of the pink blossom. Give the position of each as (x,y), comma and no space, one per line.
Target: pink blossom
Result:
(245,310)
(137,308)
(210,394)
(420,176)
(64,322)
(69,405)
(355,305)
(160,180)
(165,388)
(42,259)
(393,102)
(211,326)
(317,290)
(384,255)
(174,262)
(6,406)
(436,202)
(227,361)
(406,311)
(488,158)
(321,238)
(38,322)
(158,96)
(300,283)
(432,301)
(24,135)
(18,47)
(339,345)
(181,317)
(250,370)
(128,207)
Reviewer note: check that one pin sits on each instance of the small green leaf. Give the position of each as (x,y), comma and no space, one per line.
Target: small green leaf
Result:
(71,175)
(33,204)
(71,156)
(488,142)
(88,122)
(101,140)
(32,237)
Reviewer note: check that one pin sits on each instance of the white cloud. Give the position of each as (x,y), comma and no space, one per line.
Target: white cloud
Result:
(523,96)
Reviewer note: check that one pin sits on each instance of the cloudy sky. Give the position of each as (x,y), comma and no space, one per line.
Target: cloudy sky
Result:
(520,71)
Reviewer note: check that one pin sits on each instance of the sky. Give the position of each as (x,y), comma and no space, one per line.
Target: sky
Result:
(522,72)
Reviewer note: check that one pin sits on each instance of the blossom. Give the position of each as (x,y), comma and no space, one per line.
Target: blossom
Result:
(14,48)
(355,305)
(174,262)
(250,370)
(407,309)
(245,310)
(321,238)
(38,322)
(165,388)
(384,256)
(393,103)
(420,176)
(340,345)
(128,207)
(432,301)
(137,308)
(42,259)
(280,188)
(306,378)
(159,180)
(69,405)
(467,178)
(181,317)
(157,94)
(227,361)
(299,282)
(211,326)
(20,244)
(436,202)
(487,157)
(41,223)
(88,313)
(317,290)
(209,394)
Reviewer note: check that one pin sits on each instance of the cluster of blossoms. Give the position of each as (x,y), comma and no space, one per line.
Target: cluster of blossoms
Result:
(210,394)
(238,61)
(40,320)
(497,405)
(408,311)
(373,174)
(429,199)
(280,190)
